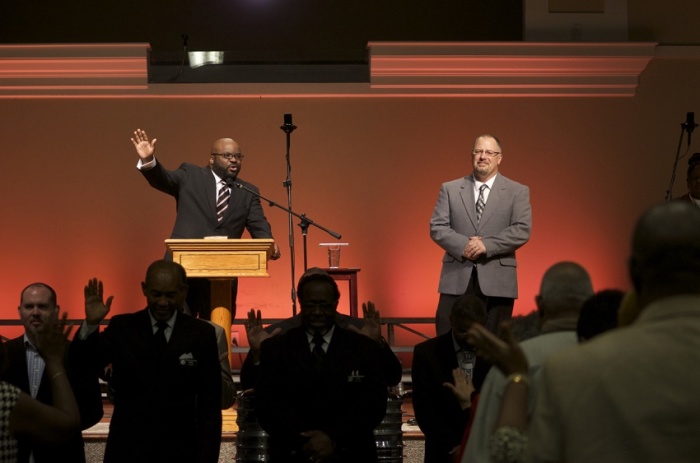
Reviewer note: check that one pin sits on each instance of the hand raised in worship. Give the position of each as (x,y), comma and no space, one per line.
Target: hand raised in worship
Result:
(95,308)
(255,332)
(372,326)
(462,387)
(144,148)
(52,340)
(504,352)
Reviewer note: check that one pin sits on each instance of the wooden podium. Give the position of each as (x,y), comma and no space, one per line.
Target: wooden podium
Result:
(221,260)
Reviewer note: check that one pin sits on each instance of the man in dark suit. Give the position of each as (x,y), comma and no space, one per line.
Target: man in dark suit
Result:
(208,204)
(166,373)
(480,221)
(693,181)
(440,365)
(38,310)
(320,390)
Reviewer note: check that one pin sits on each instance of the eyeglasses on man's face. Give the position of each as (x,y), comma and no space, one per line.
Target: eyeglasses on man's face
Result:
(229,156)
(488,153)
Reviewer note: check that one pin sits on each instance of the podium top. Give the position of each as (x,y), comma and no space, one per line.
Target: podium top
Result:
(222,257)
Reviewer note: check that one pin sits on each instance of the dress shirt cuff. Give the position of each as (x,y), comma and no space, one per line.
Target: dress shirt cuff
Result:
(86,330)
(146,165)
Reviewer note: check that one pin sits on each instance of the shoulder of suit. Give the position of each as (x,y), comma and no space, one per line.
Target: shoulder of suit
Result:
(505,181)
(247,184)
(458,182)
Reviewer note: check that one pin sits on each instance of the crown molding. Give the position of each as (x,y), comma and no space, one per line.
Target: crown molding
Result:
(394,69)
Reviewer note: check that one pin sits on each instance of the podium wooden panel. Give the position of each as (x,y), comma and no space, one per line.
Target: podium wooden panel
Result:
(221,260)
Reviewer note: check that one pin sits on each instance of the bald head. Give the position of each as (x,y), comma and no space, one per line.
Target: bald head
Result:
(565,287)
(225,159)
(665,258)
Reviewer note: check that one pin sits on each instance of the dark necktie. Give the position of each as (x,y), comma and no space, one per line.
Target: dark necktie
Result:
(480,203)
(222,200)
(161,340)
(317,350)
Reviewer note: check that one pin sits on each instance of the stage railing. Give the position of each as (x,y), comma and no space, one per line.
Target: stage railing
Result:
(391,324)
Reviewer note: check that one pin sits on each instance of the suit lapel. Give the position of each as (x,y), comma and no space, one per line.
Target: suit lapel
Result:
(211,188)
(468,199)
(495,197)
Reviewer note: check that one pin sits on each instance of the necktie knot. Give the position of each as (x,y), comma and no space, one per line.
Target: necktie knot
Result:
(318,342)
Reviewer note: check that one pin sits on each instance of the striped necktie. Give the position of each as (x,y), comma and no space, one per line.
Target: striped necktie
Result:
(480,203)
(222,200)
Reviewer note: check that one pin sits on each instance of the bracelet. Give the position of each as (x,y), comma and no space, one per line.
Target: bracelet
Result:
(56,375)
(518,378)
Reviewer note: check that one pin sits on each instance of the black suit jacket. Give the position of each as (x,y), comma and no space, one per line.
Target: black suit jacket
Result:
(195,192)
(86,388)
(438,412)
(167,404)
(347,398)
(393,370)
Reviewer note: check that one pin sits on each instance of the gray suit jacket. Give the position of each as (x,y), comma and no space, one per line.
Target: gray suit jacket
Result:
(504,227)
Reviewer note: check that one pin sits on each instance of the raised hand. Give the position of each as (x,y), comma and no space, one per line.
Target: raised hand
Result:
(95,308)
(372,327)
(462,388)
(255,332)
(504,352)
(51,341)
(144,148)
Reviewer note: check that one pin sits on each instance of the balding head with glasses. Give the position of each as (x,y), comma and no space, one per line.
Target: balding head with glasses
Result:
(486,157)
(225,159)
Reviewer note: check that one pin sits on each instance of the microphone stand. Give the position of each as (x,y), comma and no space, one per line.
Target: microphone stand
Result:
(288,128)
(304,224)
(688,125)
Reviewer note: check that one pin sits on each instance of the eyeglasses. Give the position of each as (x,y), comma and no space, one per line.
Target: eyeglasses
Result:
(324,306)
(229,156)
(488,153)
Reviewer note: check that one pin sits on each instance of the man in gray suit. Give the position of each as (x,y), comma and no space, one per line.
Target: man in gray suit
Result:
(480,221)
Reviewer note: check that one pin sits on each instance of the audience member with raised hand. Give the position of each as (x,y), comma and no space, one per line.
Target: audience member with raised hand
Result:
(446,374)
(369,326)
(564,288)
(22,416)
(25,368)
(509,439)
(166,372)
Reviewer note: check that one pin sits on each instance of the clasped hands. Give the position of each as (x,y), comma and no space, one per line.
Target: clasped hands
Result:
(474,249)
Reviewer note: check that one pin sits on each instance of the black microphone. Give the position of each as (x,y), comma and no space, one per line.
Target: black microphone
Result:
(689,124)
(288,127)
(236,185)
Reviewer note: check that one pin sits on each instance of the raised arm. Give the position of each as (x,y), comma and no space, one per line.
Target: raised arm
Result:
(42,422)
(144,148)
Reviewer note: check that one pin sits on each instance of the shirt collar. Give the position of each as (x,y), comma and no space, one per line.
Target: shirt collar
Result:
(170,321)
(488,182)
(28,342)
(326,336)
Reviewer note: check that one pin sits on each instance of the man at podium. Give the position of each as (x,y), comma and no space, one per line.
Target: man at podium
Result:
(208,204)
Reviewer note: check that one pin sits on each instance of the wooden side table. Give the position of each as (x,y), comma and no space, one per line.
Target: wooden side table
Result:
(349,275)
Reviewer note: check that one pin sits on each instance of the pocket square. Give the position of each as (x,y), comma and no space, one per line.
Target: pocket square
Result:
(188,360)
(355,377)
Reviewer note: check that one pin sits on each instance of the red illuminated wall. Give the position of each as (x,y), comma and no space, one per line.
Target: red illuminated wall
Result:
(73,205)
